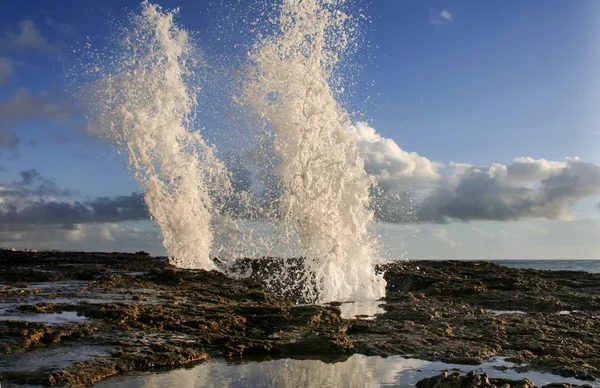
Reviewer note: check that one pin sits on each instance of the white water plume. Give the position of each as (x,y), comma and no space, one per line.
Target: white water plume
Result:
(146,109)
(145,105)
(326,187)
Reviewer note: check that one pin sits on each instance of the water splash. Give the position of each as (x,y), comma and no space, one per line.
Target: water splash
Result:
(146,109)
(326,194)
(145,105)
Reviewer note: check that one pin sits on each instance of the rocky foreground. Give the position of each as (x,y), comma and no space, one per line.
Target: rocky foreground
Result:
(123,312)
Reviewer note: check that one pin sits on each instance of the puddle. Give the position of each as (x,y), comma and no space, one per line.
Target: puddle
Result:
(51,319)
(7,309)
(51,358)
(505,312)
(43,285)
(76,301)
(357,371)
(362,310)
(128,273)
(45,289)
(567,312)
(41,270)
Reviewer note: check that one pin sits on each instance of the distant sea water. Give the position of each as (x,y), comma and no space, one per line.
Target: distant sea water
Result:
(592,266)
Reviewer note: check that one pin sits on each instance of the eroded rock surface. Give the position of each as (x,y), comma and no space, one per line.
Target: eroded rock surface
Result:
(482,380)
(137,313)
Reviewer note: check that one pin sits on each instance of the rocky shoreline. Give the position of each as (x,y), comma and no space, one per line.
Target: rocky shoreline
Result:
(114,312)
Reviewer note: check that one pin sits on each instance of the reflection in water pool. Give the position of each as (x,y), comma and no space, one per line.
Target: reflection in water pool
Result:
(48,359)
(51,319)
(357,371)
(365,309)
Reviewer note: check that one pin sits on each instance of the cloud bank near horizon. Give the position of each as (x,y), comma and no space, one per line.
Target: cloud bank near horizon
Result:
(410,188)
(35,200)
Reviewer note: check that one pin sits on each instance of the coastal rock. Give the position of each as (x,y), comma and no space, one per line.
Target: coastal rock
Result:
(477,380)
(471,380)
(145,314)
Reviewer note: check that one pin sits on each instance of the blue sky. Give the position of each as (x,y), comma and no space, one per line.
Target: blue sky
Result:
(521,73)
(469,82)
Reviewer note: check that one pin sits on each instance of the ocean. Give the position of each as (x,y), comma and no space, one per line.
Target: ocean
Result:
(591,266)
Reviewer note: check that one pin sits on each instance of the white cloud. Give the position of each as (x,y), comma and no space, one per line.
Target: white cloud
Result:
(526,188)
(28,37)
(460,168)
(527,169)
(446,15)
(77,233)
(105,237)
(107,231)
(440,17)
(396,170)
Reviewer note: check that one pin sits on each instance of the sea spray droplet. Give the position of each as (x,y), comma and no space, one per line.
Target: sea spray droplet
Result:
(146,109)
(146,106)
(326,187)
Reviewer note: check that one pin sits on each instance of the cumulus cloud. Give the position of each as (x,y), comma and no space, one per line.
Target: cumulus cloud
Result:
(396,170)
(577,180)
(6,69)
(411,188)
(51,212)
(87,237)
(547,190)
(31,188)
(33,200)
(28,176)
(28,37)
(525,188)
(529,169)
(36,213)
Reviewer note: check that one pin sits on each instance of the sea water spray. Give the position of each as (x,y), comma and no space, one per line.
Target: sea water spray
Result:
(145,107)
(326,194)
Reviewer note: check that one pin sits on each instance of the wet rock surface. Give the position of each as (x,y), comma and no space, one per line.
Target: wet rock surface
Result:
(477,380)
(124,312)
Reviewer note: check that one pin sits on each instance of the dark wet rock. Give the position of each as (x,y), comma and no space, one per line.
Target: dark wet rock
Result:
(42,307)
(19,336)
(149,315)
(82,374)
(476,380)
(287,285)
(470,380)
